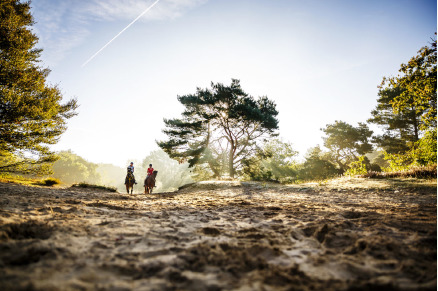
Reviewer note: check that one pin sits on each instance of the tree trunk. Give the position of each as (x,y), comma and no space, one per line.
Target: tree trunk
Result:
(231,160)
(415,124)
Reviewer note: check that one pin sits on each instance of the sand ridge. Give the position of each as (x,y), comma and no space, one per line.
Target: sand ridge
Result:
(354,235)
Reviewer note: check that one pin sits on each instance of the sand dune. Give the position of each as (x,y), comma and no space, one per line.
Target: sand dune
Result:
(348,234)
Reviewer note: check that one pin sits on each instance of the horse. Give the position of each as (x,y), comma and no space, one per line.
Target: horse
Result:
(149,183)
(129,182)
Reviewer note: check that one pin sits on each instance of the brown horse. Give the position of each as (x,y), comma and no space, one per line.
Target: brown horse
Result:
(149,183)
(129,182)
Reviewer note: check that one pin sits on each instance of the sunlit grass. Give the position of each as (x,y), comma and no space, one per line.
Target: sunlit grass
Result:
(28,181)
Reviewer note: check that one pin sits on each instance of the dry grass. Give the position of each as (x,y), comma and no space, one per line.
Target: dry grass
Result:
(96,187)
(424,172)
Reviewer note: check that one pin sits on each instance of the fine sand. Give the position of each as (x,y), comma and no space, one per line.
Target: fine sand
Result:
(347,234)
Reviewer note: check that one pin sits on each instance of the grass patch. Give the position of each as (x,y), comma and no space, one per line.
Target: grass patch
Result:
(28,181)
(91,186)
(17,179)
(424,172)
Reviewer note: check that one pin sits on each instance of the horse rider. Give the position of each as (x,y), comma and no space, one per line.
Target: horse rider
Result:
(150,171)
(130,169)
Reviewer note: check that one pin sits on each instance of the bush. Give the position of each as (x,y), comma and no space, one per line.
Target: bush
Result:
(316,167)
(48,182)
(426,148)
(91,186)
(423,153)
(358,167)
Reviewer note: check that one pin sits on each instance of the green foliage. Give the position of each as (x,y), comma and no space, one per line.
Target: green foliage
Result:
(31,115)
(400,162)
(171,174)
(19,163)
(346,142)
(275,161)
(71,168)
(407,112)
(219,127)
(378,161)
(316,166)
(407,103)
(426,148)
(418,85)
(400,128)
(358,167)
(423,153)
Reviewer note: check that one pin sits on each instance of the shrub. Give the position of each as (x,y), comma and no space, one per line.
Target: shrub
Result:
(423,153)
(91,186)
(48,182)
(426,148)
(358,167)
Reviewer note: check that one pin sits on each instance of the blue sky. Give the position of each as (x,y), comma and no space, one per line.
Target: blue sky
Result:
(320,61)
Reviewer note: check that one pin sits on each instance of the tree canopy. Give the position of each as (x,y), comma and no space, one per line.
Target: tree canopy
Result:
(400,128)
(220,127)
(71,168)
(418,85)
(406,106)
(31,114)
(274,161)
(346,142)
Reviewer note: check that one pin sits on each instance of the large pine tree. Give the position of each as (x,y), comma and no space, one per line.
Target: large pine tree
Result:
(220,127)
(400,128)
(407,103)
(31,114)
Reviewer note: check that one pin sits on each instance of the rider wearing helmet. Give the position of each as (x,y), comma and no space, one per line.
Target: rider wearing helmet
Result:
(130,169)
(150,171)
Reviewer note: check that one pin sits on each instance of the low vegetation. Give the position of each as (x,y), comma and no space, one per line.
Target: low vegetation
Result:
(48,182)
(423,172)
(91,186)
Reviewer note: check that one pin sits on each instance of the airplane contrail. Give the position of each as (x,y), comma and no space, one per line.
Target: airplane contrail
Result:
(138,17)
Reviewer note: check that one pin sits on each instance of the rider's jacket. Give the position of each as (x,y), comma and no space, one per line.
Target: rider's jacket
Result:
(150,171)
(130,169)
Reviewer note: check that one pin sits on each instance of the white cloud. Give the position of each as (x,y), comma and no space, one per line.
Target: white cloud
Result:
(129,9)
(63,25)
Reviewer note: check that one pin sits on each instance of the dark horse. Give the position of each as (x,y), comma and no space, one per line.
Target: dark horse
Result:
(129,182)
(149,183)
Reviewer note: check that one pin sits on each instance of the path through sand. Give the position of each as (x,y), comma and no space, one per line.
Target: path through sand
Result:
(357,235)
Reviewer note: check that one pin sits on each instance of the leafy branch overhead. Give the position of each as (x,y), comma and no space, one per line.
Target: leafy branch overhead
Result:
(219,127)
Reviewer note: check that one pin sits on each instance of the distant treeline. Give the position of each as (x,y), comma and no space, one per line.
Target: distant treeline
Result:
(71,168)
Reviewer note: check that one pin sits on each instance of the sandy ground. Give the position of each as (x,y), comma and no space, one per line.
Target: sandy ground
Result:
(350,234)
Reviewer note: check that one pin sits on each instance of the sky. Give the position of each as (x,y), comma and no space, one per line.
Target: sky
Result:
(318,60)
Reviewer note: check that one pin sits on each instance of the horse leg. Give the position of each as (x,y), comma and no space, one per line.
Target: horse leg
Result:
(127,188)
